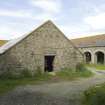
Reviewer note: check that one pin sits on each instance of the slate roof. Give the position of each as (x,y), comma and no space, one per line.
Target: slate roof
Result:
(92,41)
(10,43)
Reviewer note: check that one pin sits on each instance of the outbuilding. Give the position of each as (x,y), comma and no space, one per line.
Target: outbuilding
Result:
(45,48)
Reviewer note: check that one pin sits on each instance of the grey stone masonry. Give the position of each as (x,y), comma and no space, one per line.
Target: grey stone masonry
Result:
(29,53)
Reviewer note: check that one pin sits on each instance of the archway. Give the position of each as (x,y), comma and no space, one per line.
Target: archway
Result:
(100,57)
(87,57)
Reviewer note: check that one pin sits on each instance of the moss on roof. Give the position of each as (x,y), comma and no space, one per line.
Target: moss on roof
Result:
(2,42)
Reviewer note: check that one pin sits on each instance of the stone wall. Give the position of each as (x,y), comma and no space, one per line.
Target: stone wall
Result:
(46,40)
(93,51)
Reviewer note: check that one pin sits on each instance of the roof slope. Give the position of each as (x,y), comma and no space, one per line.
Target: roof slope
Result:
(92,41)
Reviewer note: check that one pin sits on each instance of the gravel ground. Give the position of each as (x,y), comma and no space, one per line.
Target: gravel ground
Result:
(62,93)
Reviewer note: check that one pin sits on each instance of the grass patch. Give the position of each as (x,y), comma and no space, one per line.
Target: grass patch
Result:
(95,95)
(9,84)
(68,74)
(98,66)
(9,81)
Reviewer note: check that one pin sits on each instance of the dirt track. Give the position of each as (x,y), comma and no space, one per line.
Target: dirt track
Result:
(62,93)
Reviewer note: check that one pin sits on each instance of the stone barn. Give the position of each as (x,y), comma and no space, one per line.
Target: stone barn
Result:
(46,48)
(93,48)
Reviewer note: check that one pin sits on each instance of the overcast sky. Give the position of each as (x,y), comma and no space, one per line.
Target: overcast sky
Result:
(76,18)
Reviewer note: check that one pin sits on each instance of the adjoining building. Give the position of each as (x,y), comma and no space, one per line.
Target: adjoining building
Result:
(93,48)
(44,48)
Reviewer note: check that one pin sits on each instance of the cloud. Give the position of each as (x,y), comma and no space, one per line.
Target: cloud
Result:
(74,31)
(12,13)
(14,29)
(45,17)
(27,15)
(7,32)
(49,6)
(96,21)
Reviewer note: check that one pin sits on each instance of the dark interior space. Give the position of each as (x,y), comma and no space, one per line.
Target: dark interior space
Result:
(100,57)
(87,57)
(49,63)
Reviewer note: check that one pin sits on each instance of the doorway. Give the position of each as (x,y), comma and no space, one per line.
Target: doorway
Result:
(49,63)
(87,57)
(100,57)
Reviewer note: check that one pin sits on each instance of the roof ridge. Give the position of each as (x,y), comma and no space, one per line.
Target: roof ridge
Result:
(89,36)
(97,40)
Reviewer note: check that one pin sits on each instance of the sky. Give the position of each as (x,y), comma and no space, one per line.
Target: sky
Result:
(75,18)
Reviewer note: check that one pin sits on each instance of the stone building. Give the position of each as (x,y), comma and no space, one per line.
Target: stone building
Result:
(46,48)
(93,48)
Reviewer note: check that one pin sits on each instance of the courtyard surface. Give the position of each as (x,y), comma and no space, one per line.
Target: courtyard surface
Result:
(61,93)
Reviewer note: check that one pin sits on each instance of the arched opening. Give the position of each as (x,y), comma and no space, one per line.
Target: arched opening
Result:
(100,57)
(87,57)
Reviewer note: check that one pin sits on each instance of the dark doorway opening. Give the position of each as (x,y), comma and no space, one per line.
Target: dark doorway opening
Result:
(87,57)
(49,63)
(100,57)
